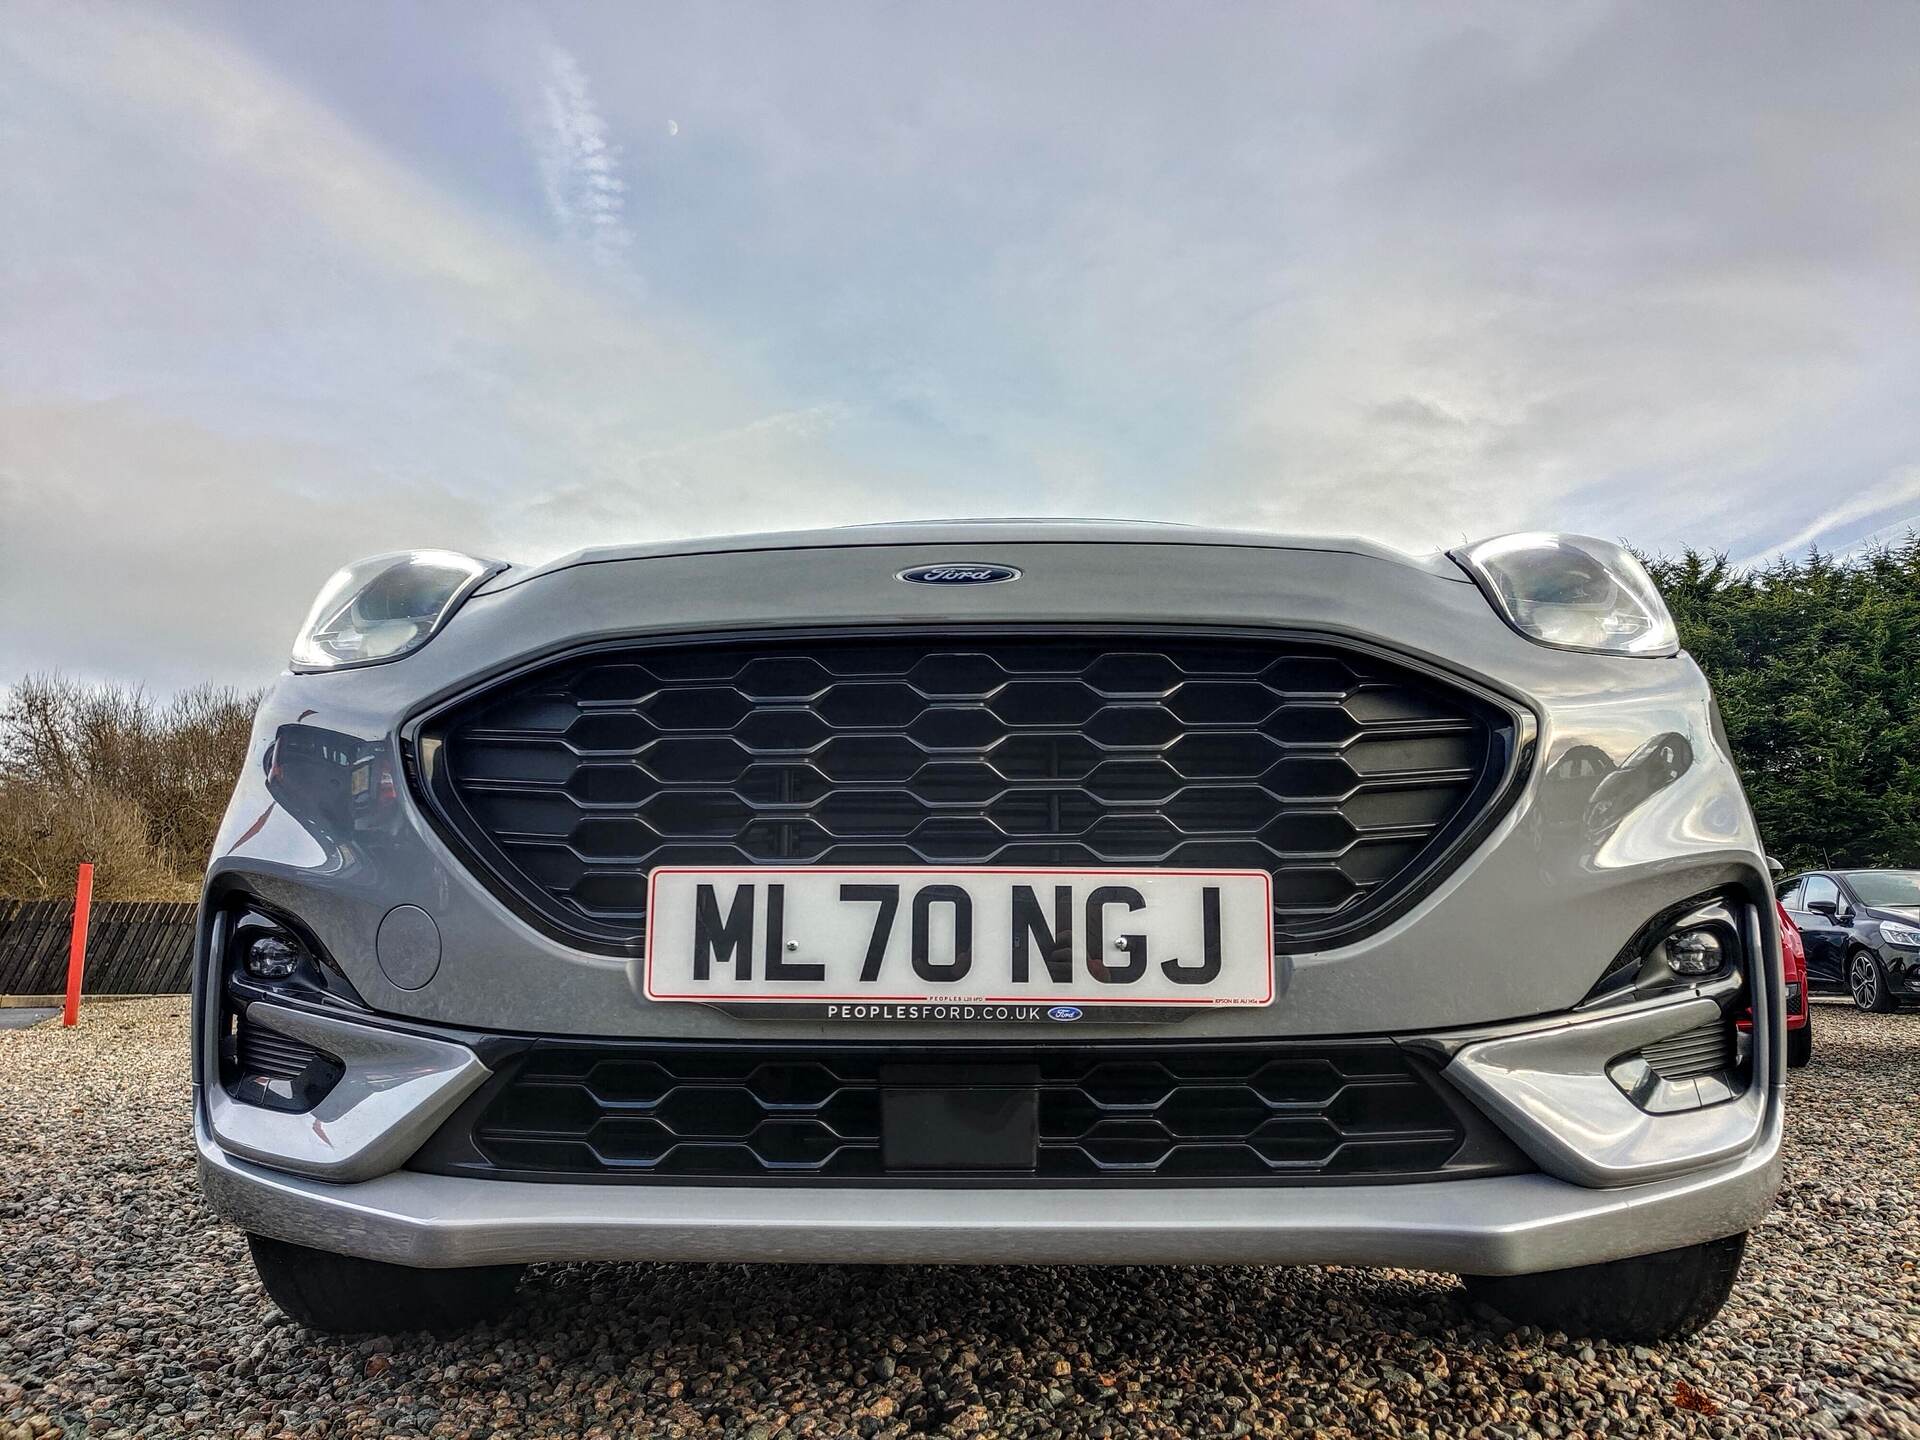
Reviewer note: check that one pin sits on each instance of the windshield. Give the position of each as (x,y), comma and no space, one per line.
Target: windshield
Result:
(1886,887)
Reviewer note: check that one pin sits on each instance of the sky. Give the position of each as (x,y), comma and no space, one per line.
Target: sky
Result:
(281,286)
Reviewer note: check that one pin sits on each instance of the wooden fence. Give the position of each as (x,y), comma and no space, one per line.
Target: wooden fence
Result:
(134,947)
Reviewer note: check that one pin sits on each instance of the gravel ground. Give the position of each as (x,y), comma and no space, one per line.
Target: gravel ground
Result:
(126,1309)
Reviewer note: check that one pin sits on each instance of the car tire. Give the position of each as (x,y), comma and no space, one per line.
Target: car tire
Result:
(1800,1045)
(1867,983)
(345,1295)
(1641,1299)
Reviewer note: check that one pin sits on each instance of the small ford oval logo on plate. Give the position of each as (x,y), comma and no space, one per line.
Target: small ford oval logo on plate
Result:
(960,572)
(1064,1012)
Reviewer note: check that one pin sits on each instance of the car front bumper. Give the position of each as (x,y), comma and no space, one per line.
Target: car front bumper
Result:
(1612,1179)
(1500,1225)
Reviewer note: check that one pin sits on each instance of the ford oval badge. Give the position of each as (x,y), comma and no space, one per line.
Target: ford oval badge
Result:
(960,572)
(1064,1012)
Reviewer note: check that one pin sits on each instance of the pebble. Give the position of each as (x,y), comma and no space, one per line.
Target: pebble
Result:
(128,1310)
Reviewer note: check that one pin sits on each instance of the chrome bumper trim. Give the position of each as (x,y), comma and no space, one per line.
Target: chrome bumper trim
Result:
(1551,1092)
(397,1089)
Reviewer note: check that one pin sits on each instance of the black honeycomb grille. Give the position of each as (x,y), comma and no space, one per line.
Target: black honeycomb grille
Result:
(1219,1112)
(1341,774)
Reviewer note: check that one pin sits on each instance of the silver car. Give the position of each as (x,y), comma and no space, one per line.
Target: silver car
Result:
(993,892)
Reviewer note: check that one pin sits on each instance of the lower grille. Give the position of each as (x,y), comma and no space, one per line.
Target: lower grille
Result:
(275,1071)
(1273,1113)
(273,1056)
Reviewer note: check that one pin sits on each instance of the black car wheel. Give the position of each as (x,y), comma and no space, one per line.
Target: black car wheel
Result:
(1868,983)
(1800,1045)
(1642,1299)
(345,1295)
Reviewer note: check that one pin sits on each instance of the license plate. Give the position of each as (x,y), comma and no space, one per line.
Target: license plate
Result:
(1089,937)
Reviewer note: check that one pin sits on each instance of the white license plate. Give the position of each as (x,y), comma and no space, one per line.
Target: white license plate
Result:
(1090,937)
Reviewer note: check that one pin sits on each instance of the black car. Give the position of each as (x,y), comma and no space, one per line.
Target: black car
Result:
(1862,932)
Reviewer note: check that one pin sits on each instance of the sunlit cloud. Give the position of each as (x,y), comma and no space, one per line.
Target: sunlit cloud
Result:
(579,165)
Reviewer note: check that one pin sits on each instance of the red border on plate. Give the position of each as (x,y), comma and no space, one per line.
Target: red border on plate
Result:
(710,997)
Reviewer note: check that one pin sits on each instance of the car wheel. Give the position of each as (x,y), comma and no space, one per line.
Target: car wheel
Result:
(346,1295)
(1800,1045)
(1643,1298)
(1868,982)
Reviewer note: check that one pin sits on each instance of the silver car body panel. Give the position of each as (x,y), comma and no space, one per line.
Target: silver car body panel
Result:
(1628,805)
(949,533)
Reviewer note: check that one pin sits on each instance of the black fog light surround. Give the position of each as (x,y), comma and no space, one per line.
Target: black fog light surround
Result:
(1695,947)
(259,1065)
(266,951)
(1699,942)
(271,958)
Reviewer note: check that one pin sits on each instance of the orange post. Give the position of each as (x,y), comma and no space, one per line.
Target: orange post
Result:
(77,953)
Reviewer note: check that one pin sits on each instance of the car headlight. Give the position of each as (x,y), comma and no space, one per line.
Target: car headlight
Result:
(1904,936)
(384,607)
(1573,592)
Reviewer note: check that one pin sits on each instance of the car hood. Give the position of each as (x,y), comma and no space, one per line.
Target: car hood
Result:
(1899,914)
(942,537)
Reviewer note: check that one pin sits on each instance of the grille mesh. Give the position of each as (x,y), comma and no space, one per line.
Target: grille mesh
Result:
(1704,1050)
(1337,772)
(1241,1112)
(272,1056)
(276,1071)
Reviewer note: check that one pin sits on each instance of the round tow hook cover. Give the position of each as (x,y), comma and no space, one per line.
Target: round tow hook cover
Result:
(408,946)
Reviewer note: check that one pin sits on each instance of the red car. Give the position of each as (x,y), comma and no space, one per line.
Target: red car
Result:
(1793,964)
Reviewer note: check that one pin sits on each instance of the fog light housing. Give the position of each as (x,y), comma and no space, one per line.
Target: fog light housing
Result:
(1696,952)
(1697,943)
(274,956)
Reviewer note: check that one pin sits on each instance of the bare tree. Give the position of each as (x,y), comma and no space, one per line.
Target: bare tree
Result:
(110,767)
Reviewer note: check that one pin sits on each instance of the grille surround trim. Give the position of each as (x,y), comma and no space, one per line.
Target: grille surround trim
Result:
(1512,724)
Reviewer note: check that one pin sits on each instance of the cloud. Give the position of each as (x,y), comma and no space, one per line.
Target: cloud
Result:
(1426,276)
(203,565)
(243,344)
(1898,491)
(580,167)
(200,568)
